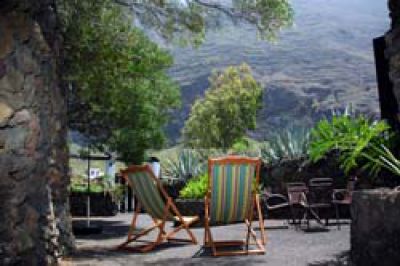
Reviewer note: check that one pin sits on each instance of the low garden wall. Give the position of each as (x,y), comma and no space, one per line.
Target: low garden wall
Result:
(101,204)
(375,228)
(276,175)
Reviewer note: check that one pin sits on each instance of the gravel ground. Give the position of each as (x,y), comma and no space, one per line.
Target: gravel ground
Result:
(284,247)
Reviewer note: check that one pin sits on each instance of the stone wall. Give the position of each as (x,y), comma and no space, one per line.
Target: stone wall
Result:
(34,217)
(375,228)
(277,175)
(101,204)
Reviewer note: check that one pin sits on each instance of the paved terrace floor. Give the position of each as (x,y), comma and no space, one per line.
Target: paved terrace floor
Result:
(284,247)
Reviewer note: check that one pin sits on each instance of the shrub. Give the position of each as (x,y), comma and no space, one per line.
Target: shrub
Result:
(240,146)
(290,143)
(104,184)
(196,188)
(227,111)
(355,138)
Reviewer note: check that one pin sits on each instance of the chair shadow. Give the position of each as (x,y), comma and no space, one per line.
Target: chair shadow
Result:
(341,259)
(110,229)
(204,257)
(316,230)
(114,252)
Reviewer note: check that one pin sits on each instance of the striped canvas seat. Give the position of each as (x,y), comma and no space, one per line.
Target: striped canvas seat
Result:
(231,192)
(151,195)
(148,194)
(231,197)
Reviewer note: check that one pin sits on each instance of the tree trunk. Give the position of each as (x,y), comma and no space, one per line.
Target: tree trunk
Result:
(35,223)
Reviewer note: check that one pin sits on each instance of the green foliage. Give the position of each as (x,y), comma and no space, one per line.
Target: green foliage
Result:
(356,138)
(187,165)
(226,112)
(83,188)
(196,188)
(273,15)
(241,145)
(121,95)
(290,143)
(385,159)
(104,184)
(187,22)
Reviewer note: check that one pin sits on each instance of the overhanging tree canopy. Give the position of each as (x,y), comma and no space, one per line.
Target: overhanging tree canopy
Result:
(189,19)
(120,95)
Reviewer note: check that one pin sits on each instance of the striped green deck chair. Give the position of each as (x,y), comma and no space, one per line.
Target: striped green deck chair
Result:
(161,208)
(231,198)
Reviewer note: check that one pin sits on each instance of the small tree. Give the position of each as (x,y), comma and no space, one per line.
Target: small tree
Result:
(226,112)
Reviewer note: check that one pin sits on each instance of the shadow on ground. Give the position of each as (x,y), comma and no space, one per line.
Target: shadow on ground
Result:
(119,229)
(341,259)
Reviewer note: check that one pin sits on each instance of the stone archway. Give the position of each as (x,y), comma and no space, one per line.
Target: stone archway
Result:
(34,214)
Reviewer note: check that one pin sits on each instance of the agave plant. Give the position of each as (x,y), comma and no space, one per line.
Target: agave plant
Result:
(188,164)
(290,143)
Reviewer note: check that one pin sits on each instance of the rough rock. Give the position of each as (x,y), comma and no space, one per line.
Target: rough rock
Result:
(375,228)
(5,112)
(35,227)
(6,44)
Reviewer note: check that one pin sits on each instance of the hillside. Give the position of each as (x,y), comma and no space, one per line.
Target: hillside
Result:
(325,61)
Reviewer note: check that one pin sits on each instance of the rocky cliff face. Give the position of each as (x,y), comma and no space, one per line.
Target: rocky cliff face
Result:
(35,226)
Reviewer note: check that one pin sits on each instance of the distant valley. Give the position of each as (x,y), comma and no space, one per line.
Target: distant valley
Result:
(324,61)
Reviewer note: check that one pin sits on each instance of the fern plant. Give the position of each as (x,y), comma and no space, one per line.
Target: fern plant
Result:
(290,143)
(356,139)
(187,165)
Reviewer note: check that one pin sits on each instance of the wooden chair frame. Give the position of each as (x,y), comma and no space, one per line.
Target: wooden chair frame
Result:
(158,223)
(209,241)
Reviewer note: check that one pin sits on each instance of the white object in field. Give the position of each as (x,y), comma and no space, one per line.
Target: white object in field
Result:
(110,168)
(156,167)
(95,172)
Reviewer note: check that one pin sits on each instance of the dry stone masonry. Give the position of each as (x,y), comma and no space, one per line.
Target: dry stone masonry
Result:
(34,217)
(375,228)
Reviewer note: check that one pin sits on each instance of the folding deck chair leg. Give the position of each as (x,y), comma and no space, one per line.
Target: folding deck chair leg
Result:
(184,225)
(260,219)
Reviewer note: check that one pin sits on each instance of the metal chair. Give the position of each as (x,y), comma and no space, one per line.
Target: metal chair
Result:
(296,194)
(318,197)
(342,197)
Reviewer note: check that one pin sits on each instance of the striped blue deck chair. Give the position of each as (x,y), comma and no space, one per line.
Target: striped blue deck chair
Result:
(231,198)
(161,208)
